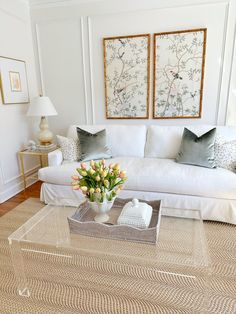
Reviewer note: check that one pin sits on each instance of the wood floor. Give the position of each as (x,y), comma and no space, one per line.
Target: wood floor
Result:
(32,191)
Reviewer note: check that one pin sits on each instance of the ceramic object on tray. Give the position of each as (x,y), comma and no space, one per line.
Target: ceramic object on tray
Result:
(135,213)
(101,209)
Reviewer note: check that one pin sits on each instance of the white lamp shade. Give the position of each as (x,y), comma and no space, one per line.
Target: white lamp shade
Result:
(41,106)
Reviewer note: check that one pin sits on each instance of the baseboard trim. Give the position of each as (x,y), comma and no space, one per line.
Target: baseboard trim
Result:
(17,188)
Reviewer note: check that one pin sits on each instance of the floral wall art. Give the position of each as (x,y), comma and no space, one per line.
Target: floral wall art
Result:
(179,59)
(126,67)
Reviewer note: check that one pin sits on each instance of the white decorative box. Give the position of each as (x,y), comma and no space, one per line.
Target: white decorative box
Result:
(135,213)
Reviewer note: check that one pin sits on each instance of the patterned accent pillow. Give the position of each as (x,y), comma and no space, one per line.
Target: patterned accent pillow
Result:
(225,153)
(69,147)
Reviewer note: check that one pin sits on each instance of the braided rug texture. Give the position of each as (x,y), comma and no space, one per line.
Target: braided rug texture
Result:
(62,285)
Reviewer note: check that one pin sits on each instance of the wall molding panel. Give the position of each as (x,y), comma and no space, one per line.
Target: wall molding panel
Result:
(219,105)
(29,172)
(91,68)
(92,19)
(228,60)
(40,64)
(15,188)
(15,184)
(84,69)
(231,108)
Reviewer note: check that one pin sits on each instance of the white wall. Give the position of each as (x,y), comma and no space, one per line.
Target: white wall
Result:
(68,42)
(15,127)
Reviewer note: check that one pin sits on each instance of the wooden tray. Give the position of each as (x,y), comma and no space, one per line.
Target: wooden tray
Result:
(82,222)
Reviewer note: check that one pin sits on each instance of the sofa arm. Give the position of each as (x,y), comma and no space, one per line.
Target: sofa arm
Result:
(55,158)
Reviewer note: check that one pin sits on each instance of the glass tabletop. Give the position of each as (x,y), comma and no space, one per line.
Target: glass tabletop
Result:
(181,238)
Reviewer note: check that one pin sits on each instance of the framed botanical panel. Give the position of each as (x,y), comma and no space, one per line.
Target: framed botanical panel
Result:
(126,71)
(179,59)
(14,87)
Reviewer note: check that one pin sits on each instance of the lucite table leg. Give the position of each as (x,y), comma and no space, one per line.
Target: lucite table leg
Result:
(63,235)
(207,292)
(19,269)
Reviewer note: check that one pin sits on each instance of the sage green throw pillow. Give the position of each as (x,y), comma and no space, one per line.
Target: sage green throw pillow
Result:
(93,146)
(198,151)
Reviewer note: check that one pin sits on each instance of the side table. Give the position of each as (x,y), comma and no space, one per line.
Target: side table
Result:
(43,157)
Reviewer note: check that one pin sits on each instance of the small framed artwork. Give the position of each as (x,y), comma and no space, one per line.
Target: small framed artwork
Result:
(13,78)
(179,59)
(126,71)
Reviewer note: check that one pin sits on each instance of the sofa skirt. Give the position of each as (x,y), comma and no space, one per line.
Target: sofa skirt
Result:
(223,210)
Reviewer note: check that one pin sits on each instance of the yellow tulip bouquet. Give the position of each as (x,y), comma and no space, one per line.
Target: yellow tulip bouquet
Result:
(99,182)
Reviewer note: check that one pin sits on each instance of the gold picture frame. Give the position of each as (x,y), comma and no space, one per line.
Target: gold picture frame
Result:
(172,96)
(13,81)
(127,82)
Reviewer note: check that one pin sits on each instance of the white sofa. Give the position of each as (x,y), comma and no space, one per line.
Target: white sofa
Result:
(148,155)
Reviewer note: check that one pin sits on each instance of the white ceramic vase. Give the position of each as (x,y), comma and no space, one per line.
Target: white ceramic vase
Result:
(101,209)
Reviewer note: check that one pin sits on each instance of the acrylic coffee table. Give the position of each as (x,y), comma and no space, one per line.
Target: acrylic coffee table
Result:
(173,273)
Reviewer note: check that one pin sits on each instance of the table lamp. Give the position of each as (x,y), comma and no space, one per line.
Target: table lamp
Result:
(43,107)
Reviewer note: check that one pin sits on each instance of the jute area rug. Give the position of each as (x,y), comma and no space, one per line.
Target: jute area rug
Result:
(89,296)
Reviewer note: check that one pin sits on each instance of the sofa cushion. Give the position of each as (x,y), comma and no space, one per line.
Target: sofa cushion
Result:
(123,140)
(164,141)
(159,175)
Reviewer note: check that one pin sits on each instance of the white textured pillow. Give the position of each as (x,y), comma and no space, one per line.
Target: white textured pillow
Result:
(69,147)
(225,153)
